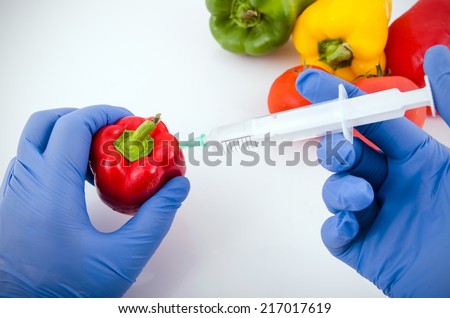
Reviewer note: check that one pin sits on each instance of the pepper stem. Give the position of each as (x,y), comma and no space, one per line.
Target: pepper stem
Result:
(243,14)
(144,129)
(336,53)
(136,144)
(248,14)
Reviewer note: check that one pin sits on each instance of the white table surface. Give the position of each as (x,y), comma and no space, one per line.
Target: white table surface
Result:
(243,231)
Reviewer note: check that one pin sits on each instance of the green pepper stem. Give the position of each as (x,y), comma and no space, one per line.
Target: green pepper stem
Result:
(336,53)
(137,144)
(248,14)
(144,129)
(243,14)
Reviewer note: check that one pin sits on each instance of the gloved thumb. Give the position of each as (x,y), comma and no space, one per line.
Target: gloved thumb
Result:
(138,239)
(318,86)
(338,233)
(437,66)
(155,216)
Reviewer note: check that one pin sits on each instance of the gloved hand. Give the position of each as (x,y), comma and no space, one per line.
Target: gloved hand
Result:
(48,247)
(391,219)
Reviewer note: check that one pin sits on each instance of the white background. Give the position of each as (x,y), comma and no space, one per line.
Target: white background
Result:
(243,231)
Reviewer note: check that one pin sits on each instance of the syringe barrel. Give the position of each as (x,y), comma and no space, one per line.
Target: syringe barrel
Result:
(337,115)
(318,119)
(231,132)
(298,124)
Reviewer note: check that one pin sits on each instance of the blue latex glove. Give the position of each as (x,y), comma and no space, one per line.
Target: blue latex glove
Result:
(48,247)
(391,217)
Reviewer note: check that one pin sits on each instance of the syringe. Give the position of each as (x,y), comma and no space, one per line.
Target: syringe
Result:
(316,120)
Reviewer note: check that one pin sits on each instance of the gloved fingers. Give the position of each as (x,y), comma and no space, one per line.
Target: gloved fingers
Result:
(149,226)
(338,234)
(337,154)
(437,66)
(345,192)
(342,191)
(397,138)
(7,177)
(37,131)
(70,140)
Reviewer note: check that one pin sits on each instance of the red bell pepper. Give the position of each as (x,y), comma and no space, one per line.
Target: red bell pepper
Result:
(132,159)
(424,25)
(283,94)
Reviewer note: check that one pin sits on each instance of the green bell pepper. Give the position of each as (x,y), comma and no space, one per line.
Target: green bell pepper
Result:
(253,27)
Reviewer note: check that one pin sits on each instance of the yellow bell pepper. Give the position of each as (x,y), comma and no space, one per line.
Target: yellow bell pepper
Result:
(344,37)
